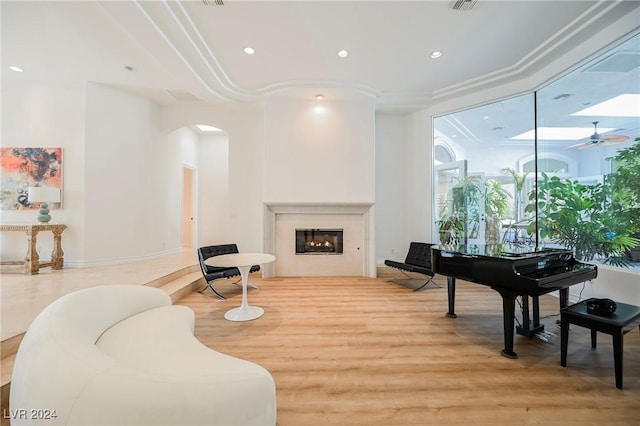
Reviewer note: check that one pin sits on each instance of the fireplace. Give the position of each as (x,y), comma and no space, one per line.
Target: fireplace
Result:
(319,241)
(355,219)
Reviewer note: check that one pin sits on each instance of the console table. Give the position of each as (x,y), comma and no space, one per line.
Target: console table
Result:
(31,261)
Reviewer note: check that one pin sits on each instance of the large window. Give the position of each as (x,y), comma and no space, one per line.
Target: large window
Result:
(557,167)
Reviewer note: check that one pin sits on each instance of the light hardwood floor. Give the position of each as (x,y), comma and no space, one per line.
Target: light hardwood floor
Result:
(360,351)
(356,351)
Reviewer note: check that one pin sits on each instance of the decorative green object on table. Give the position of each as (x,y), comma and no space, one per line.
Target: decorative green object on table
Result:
(43,214)
(43,195)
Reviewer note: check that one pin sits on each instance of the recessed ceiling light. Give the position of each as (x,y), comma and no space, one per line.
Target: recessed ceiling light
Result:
(343,53)
(207,128)
(436,54)
(249,50)
(16,69)
(319,96)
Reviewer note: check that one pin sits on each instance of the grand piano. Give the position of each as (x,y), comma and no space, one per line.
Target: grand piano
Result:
(512,271)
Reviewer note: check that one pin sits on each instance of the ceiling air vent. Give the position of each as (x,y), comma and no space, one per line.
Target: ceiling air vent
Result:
(463,4)
(561,96)
(183,95)
(213,2)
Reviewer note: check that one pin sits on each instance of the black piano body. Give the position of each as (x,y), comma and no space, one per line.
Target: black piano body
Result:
(512,271)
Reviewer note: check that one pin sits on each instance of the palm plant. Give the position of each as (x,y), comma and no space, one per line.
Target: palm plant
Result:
(626,179)
(592,220)
(463,220)
(496,201)
(519,179)
(466,198)
(495,207)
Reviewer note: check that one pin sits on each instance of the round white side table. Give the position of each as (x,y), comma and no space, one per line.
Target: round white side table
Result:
(242,261)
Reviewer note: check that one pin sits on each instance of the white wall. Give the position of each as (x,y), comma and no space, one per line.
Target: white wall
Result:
(392,234)
(128,201)
(47,114)
(246,164)
(419,155)
(403,183)
(213,191)
(321,152)
(612,283)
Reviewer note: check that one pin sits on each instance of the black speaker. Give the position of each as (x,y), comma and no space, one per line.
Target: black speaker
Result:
(602,307)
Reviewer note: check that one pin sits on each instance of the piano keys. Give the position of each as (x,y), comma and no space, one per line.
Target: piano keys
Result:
(512,271)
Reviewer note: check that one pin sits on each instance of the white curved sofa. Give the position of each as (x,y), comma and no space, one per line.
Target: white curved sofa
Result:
(123,355)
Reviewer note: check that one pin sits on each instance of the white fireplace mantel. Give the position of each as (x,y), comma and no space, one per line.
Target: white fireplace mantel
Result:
(366,210)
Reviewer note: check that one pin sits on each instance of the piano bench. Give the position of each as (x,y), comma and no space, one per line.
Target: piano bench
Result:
(617,324)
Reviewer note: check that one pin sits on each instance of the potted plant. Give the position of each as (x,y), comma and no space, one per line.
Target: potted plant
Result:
(626,177)
(495,208)
(466,204)
(592,220)
(450,229)
(519,179)
(460,219)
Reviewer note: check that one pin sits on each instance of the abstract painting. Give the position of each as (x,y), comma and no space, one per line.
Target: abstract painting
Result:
(25,167)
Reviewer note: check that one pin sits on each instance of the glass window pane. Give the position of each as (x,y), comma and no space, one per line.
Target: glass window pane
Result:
(481,194)
(591,205)
(577,167)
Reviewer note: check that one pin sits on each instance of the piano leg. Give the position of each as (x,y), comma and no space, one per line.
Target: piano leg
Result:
(536,311)
(526,329)
(564,297)
(525,312)
(563,294)
(451,293)
(508,312)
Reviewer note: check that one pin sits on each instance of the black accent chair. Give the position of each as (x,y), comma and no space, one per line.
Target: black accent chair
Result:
(212,273)
(418,260)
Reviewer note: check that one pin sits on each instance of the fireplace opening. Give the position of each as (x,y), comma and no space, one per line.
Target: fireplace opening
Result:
(319,241)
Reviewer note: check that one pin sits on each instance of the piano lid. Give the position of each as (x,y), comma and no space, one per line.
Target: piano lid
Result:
(507,251)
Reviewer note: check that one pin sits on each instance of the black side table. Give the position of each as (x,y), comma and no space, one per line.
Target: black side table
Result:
(623,320)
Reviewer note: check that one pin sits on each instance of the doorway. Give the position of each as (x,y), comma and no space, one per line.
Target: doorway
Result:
(188,208)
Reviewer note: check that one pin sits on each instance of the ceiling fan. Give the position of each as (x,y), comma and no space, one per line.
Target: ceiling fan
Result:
(600,140)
